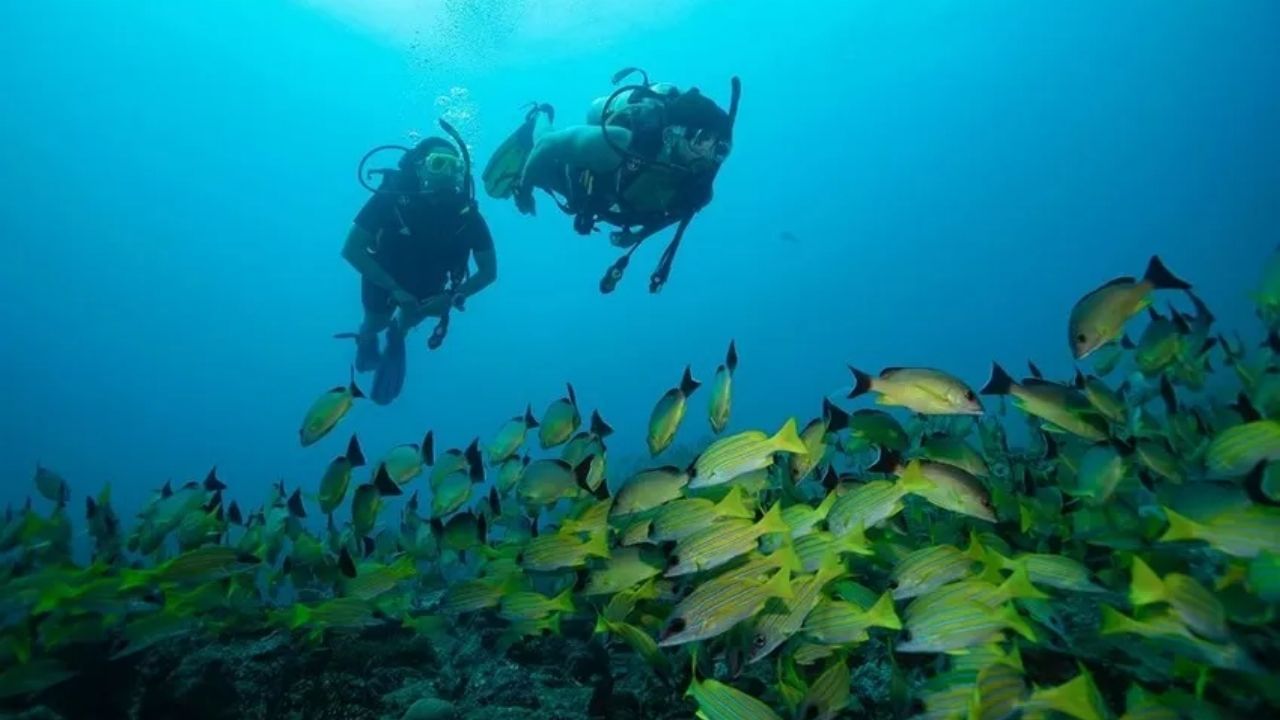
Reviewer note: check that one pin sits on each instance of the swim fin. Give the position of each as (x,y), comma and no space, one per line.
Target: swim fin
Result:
(388,379)
(503,172)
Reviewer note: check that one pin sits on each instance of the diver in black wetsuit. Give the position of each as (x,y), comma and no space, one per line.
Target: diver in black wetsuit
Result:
(413,243)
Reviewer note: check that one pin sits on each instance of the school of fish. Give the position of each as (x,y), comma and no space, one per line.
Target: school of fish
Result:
(1104,546)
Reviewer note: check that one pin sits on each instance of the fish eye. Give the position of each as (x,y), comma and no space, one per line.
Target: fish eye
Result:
(1082,338)
(968,395)
(677,625)
(759,641)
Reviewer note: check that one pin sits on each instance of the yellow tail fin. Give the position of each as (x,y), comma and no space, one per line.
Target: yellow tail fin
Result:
(788,439)
(1146,587)
(1180,528)
(883,615)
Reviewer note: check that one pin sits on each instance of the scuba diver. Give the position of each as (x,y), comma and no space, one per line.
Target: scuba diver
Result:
(412,243)
(645,160)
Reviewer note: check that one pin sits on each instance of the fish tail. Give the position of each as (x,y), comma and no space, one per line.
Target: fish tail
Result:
(912,479)
(1001,383)
(1180,528)
(1019,586)
(788,439)
(598,545)
(861,383)
(1146,588)
(564,601)
(687,384)
(732,505)
(1160,277)
(835,418)
(299,615)
(772,520)
(602,625)
(855,541)
(780,584)
(1114,622)
(883,615)
(1019,624)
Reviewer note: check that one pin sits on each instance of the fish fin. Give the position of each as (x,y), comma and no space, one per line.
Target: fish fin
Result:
(1001,383)
(1244,406)
(1160,277)
(599,427)
(731,357)
(733,505)
(788,439)
(1146,587)
(429,448)
(882,614)
(385,485)
(564,601)
(1019,624)
(780,584)
(912,479)
(835,418)
(598,545)
(1018,586)
(687,384)
(1180,528)
(475,461)
(355,455)
(1035,370)
(296,508)
(772,520)
(1126,343)
(573,396)
(346,564)
(352,387)
(530,421)
(211,481)
(861,383)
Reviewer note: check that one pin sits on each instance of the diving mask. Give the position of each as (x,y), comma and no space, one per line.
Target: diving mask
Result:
(441,172)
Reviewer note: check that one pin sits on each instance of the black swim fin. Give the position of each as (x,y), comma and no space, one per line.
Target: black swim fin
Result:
(503,172)
(388,379)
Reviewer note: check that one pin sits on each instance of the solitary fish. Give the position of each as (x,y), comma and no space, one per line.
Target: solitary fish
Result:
(337,477)
(405,462)
(51,485)
(722,391)
(1063,407)
(649,489)
(736,455)
(665,419)
(511,436)
(1099,317)
(923,390)
(366,503)
(560,421)
(327,411)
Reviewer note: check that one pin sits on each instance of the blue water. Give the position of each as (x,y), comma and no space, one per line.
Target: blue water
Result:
(912,183)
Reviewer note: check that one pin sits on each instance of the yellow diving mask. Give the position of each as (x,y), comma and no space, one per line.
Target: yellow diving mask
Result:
(441,172)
